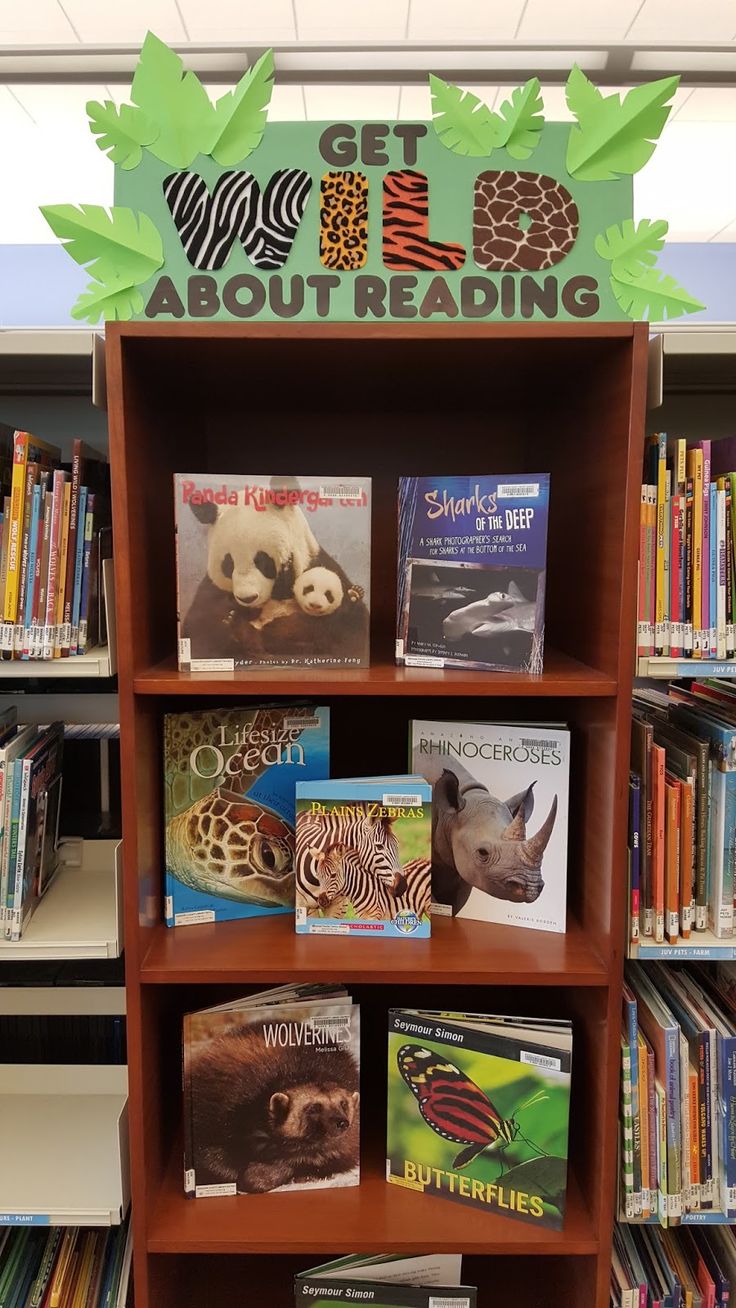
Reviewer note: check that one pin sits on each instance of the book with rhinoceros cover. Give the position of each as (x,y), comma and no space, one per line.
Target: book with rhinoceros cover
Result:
(230,779)
(472,565)
(500,798)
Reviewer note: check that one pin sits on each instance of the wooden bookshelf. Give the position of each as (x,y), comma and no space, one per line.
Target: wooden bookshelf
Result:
(382,400)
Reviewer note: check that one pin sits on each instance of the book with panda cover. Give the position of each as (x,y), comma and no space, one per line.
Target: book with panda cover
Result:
(387,1281)
(472,566)
(500,800)
(230,778)
(478,1111)
(271,1087)
(363,850)
(272,571)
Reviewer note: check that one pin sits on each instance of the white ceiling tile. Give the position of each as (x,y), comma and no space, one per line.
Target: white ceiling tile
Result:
(726,234)
(323,20)
(707,202)
(107,21)
(329,103)
(40,23)
(57,108)
(682,20)
(577,20)
(476,20)
(712,104)
(239,20)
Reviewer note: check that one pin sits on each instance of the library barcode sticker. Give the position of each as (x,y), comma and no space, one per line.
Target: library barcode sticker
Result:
(442,1301)
(528,490)
(540,1060)
(401,801)
(341,492)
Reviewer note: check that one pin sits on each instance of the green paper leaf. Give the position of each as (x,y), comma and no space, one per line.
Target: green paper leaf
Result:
(115,300)
(521,120)
(652,294)
(121,132)
(115,244)
(462,122)
(613,137)
(632,247)
(176,101)
(241,114)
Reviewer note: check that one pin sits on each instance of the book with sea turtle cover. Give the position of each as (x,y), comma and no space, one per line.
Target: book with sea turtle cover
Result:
(230,779)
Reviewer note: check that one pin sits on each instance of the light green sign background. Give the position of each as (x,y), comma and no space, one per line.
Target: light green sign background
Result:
(451,180)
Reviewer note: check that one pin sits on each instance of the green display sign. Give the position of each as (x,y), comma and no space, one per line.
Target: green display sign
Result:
(476,215)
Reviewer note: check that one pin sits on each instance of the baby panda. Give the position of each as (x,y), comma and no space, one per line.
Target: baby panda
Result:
(265,1116)
(327,615)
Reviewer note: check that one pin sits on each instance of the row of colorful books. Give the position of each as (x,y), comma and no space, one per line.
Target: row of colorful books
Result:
(389,1280)
(50,548)
(63,1267)
(30,797)
(678,1093)
(478,1105)
(687,543)
(255,826)
(275,571)
(673,1269)
(682,812)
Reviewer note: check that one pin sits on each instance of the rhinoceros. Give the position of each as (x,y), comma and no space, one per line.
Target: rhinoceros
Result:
(480,841)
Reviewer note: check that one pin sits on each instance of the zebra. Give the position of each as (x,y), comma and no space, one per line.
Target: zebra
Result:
(265,222)
(344,880)
(372,838)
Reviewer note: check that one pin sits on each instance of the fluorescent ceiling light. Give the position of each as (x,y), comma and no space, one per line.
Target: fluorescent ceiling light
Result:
(688,61)
(294,61)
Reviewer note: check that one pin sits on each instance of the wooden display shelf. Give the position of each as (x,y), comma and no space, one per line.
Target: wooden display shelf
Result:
(459,952)
(372,1217)
(562,676)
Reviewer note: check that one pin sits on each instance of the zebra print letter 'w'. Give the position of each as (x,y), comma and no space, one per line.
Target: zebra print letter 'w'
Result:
(266,223)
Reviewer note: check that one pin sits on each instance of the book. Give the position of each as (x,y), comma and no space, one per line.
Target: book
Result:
(40,802)
(387,1281)
(229,807)
(363,857)
(272,571)
(27,448)
(89,467)
(500,796)
(271,1093)
(478,1111)
(472,568)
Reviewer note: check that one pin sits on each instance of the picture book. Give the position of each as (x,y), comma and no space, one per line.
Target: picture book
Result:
(500,795)
(478,1111)
(272,1093)
(363,851)
(272,571)
(229,784)
(387,1281)
(40,800)
(472,560)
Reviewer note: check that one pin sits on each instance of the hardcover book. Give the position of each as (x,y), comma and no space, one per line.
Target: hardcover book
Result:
(40,798)
(272,571)
(363,852)
(500,813)
(478,1110)
(229,784)
(271,1093)
(388,1281)
(472,560)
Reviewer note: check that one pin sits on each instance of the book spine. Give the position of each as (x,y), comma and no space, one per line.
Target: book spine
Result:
(688,629)
(12,845)
(60,635)
(86,571)
(16,917)
(676,617)
(647,865)
(32,566)
(632,1037)
(659,639)
(694,1117)
(17,489)
(658,842)
(728,1083)
(6,788)
(704,1096)
(646,1176)
(706,545)
(687,1194)
(713,573)
(30,481)
(4,561)
(71,557)
(642,596)
(651,567)
(697,478)
(687,857)
(672,860)
(635,848)
(627,1133)
(78,568)
(653,1134)
(721,588)
(35,626)
(667,579)
(728,548)
(661,1117)
(672,1109)
(715,1117)
(43,575)
(54,541)
(704,819)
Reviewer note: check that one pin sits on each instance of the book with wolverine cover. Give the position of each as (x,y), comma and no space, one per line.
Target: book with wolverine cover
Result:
(387,1281)
(271,1088)
(478,1111)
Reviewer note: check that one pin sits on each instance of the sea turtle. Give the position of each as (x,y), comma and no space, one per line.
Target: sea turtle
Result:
(233,847)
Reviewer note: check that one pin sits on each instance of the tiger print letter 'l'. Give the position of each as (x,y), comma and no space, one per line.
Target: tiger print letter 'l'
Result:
(406,241)
(265,223)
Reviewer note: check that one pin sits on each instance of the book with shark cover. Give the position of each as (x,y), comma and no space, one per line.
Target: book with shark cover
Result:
(472,565)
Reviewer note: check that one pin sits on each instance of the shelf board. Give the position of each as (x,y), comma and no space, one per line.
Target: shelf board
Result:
(80,916)
(668,668)
(459,952)
(702,946)
(95,663)
(562,676)
(374,1217)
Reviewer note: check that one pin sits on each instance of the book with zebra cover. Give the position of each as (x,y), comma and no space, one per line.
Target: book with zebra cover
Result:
(271,1087)
(272,571)
(387,1281)
(472,566)
(363,851)
(478,1110)
(230,779)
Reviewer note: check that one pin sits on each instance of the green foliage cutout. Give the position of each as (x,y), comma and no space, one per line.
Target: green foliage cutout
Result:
(241,114)
(641,289)
(465,125)
(521,120)
(121,249)
(614,138)
(121,133)
(176,101)
(632,247)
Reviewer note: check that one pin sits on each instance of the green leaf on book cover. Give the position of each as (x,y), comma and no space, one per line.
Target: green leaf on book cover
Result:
(614,137)
(121,132)
(632,247)
(543,1176)
(350,912)
(462,122)
(176,101)
(114,300)
(653,295)
(118,243)
(521,120)
(241,114)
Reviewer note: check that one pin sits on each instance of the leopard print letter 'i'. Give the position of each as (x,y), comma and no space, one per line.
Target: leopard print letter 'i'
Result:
(343,221)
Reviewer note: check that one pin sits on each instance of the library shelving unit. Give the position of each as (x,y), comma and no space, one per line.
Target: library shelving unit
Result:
(381,400)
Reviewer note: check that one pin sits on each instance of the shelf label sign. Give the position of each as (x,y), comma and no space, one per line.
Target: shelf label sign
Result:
(473,215)
(25,1219)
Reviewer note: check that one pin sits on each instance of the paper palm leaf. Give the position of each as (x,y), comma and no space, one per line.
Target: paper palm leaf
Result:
(521,121)
(653,295)
(110,300)
(462,122)
(614,137)
(632,247)
(176,101)
(121,133)
(241,114)
(120,243)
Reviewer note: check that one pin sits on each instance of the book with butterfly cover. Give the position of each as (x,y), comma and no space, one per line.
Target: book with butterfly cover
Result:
(478,1111)
(387,1281)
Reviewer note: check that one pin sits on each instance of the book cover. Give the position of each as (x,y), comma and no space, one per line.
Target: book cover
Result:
(272,571)
(478,1111)
(472,560)
(387,1281)
(500,796)
(42,785)
(363,857)
(86,462)
(271,1093)
(229,797)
